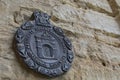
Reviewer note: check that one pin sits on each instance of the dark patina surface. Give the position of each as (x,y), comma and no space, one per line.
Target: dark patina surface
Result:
(44,47)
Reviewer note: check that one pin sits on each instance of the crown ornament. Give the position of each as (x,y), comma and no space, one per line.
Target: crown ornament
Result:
(41,18)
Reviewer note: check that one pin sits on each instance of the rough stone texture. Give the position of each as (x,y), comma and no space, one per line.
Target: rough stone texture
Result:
(94,32)
(100,6)
(118,2)
(95,4)
(88,18)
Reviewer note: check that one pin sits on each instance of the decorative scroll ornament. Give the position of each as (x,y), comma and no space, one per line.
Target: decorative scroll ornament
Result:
(44,47)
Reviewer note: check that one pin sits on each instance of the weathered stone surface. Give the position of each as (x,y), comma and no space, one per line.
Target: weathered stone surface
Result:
(118,2)
(95,36)
(97,4)
(100,6)
(67,13)
(88,18)
(101,21)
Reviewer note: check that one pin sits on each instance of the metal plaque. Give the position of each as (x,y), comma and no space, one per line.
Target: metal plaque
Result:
(44,47)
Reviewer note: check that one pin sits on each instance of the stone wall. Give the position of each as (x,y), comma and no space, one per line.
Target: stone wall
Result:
(92,25)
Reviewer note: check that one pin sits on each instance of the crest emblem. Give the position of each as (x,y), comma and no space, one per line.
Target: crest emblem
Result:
(44,47)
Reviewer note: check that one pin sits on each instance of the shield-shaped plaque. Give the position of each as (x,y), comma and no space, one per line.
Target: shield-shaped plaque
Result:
(44,47)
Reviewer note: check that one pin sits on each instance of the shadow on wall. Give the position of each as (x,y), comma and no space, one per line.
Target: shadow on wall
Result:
(118,18)
(115,9)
